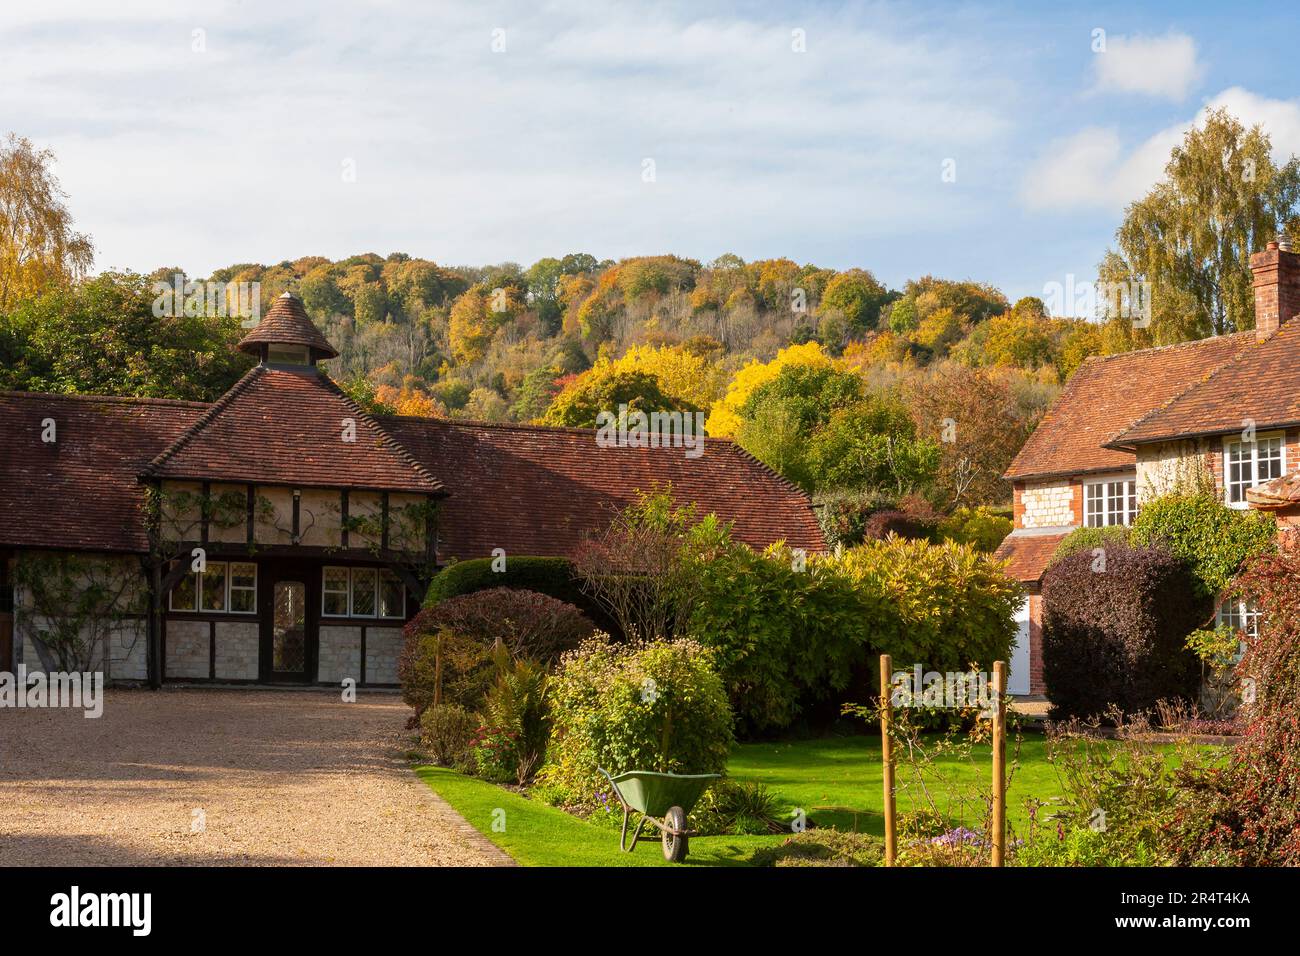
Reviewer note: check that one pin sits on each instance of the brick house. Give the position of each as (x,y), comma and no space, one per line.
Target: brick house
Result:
(317,524)
(1127,426)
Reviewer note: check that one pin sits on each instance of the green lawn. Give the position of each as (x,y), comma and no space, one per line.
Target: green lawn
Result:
(836,781)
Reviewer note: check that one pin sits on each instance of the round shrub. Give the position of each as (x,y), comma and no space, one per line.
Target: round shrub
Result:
(656,705)
(1115,625)
(550,576)
(530,625)
(910,525)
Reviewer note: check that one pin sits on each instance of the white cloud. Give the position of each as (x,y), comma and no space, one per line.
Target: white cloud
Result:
(1091,169)
(200,159)
(1164,66)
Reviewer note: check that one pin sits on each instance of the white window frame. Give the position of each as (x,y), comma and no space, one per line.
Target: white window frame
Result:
(1127,510)
(1240,616)
(1253,478)
(231,589)
(346,592)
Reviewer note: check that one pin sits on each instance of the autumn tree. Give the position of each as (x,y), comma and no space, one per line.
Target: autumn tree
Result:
(1192,235)
(38,246)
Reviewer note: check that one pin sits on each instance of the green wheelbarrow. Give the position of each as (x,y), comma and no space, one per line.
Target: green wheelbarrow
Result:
(662,798)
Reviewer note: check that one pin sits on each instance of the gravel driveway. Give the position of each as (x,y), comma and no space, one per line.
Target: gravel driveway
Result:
(233,777)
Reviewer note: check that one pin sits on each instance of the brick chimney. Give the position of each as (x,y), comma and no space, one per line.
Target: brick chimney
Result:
(1277,287)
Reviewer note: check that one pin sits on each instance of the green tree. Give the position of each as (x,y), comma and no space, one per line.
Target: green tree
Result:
(857,296)
(604,389)
(1192,235)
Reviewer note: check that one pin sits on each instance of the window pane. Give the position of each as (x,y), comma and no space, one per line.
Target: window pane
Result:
(392,595)
(183,594)
(336,592)
(363,592)
(243,588)
(214,586)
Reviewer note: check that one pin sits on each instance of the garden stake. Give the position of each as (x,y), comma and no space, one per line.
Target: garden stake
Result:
(886,670)
(999,763)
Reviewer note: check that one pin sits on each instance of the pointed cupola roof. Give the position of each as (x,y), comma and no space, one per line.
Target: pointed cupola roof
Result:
(287,323)
(279,427)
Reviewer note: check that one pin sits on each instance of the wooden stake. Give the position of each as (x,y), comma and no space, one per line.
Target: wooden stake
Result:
(1000,763)
(886,749)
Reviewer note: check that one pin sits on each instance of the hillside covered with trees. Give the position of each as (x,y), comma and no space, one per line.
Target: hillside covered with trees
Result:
(900,407)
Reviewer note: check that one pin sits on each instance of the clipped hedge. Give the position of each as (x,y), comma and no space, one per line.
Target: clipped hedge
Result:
(1118,636)
(550,576)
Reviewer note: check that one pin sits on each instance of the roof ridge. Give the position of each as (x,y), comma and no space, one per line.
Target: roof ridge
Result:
(1168,348)
(204,420)
(391,443)
(1191,386)
(92,397)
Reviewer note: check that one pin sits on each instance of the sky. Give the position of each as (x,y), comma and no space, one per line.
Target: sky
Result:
(992,141)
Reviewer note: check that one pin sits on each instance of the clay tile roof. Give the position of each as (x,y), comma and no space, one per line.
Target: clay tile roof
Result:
(287,323)
(1028,553)
(1261,384)
(280,426)
(81,491)
(535,490)
(1108,394)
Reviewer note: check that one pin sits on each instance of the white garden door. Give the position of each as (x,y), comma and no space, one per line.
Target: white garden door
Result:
(1018,681)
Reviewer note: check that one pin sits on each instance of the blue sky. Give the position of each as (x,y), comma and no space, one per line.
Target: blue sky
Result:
(202,134)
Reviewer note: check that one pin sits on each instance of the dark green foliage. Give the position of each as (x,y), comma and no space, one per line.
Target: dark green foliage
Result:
(1118,636)
(1089,539)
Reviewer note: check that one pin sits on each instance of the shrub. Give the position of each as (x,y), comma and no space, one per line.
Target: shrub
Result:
(980,527)
(551,576)
(511,744)
(843,514)
(945,606)
(1090,539)
(656,705)
(823,848)
(528,624)
(460,661)
(1214,540)
(785,632)
(737,807)
(446,730)
(1117,798)
(1248,813)
(902,524)
(1117,635)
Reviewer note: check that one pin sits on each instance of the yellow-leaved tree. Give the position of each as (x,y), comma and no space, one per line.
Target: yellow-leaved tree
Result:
(38,246)
(725,417)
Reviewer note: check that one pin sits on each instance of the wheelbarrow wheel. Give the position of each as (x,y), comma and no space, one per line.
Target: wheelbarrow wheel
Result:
(675,845)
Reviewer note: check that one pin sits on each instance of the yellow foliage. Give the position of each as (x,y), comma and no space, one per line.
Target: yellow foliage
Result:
(725,419)
(681,374)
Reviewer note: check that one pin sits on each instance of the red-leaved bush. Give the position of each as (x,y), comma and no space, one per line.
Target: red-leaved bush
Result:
(1248,813)
(532,626)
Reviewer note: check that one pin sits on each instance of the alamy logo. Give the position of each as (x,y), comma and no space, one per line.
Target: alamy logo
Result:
(632,428)
(55,689)
(75,908)
(211,300)
(951,690)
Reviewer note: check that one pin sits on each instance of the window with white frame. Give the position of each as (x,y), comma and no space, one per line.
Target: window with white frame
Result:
(1240,616)
(362,592)
(1109,502)
(1250,463)
(221,587)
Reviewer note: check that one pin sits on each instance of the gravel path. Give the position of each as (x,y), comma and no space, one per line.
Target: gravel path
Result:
(280,777)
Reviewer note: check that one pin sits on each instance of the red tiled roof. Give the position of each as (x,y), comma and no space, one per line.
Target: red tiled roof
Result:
(535,490)
(280,426)
(82,490)
(1108,394)
(1028,554)
(1282,492)
(286,323)
(1260,385)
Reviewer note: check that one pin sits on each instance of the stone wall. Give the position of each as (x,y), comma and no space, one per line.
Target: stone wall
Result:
(340,654)
(383,647)
(1049,505)
(188,649)
(237,651)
